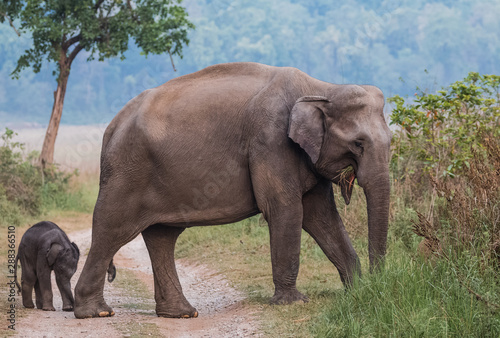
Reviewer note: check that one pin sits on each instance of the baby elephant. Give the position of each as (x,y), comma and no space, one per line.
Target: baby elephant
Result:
(43,248)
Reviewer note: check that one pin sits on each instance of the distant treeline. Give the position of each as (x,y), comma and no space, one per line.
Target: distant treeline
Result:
(396,45)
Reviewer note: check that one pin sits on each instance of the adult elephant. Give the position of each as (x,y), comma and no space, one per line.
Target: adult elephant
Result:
(226,143)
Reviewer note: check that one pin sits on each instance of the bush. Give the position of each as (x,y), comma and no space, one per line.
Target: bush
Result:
(442,131)
(25,189)
(467,222)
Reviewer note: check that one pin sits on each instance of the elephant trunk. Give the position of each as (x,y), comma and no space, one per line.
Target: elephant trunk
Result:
(377,193)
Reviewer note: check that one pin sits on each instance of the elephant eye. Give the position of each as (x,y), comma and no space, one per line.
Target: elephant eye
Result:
(358,144)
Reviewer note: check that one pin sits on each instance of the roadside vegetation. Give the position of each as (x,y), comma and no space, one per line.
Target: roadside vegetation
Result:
(441,276)
(27,191)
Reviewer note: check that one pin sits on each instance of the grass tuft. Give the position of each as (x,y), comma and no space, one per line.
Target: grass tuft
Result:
(411,298)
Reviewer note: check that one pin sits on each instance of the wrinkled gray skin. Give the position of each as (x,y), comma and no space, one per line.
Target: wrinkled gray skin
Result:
(43,248)
(226,143)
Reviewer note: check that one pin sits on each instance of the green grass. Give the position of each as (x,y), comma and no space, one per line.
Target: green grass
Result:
(411,298)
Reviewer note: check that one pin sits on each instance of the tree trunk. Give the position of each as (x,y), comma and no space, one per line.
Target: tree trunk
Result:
(47,154)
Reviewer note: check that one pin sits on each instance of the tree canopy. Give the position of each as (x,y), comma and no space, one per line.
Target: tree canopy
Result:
(61,29)
(102,28)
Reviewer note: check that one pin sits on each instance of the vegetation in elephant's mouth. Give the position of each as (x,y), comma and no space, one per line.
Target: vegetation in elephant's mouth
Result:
(346,176)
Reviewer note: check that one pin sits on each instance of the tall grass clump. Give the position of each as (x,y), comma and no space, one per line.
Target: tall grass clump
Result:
(28,191)
(411,298)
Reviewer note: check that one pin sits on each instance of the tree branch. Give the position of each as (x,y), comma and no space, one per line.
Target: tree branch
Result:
(109,10)
(172,60)
(98,4)
(73,54)
(11,23)
(71,41)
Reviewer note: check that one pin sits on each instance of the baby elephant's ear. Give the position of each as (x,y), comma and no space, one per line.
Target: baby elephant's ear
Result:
(53,252)
(306,127)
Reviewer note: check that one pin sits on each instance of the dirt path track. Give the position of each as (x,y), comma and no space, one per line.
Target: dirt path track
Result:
(222,313)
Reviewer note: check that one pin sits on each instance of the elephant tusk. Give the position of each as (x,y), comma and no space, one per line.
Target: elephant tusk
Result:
(351,180)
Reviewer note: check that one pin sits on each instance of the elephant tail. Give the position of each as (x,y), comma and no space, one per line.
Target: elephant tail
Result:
(15,274)
(111,271)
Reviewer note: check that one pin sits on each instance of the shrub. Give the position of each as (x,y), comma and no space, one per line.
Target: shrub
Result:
(442,131)
(26,189)
(468,220)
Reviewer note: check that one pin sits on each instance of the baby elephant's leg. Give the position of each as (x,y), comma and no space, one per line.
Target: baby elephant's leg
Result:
(43,272)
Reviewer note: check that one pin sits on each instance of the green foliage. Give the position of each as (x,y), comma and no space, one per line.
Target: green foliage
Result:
(26,190)
(444,129)
(62,28)
(17,179)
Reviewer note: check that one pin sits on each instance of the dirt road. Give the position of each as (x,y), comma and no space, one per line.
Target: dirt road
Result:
(221,307)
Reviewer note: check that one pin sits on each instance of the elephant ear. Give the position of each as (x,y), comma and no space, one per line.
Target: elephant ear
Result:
(53,253)
(306,126)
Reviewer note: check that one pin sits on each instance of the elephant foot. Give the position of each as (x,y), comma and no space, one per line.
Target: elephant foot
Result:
(48,308)
(89,311)
(67,308)
(29,306)
(288,297)
(186,311)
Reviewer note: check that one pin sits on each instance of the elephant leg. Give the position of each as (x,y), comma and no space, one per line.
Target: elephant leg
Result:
(285,232)
(322,221)
(278,198)
(43,273)
(64,285)
(107,239)
(38,295)
(170,301)
(28,281)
